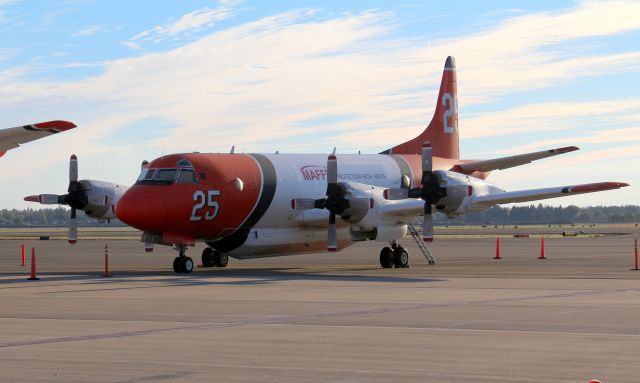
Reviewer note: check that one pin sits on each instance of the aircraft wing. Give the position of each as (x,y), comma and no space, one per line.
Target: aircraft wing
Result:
(512,161)
(11,138)
(480,202)
(404,210)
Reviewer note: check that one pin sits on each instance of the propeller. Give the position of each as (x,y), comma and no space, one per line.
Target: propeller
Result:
(336,202)
(76,187)
(427,176)
(76,198)
(430,191)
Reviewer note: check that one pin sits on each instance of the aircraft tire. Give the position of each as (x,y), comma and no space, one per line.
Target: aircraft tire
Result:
(386,258)
(208,257)
(401,257)
(177,265)
(220,259)
(186,265)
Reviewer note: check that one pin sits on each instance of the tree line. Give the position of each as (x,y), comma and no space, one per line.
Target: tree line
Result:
(541,214)
(48,217)
(496,215)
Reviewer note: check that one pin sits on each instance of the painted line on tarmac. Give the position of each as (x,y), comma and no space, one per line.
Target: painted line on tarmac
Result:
(289,318)
(469,330)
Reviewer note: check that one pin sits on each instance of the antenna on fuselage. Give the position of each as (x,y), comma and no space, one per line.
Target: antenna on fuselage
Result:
(334,150)
(233,149)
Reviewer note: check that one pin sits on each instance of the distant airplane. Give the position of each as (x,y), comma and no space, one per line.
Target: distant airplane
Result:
(264,205)
(95,198)
(12,138)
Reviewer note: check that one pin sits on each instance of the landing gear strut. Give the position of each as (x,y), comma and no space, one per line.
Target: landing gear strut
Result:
(212,257)
(396,255)
(182,263)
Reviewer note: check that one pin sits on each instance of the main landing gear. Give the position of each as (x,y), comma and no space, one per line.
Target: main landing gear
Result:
(396,255)
(182,263)
(212,257)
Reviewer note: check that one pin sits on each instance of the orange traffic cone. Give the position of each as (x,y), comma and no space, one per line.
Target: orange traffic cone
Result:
(497,249)
(33,265)
(542,249)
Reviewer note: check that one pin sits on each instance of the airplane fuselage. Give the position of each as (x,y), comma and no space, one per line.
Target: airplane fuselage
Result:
(241,204)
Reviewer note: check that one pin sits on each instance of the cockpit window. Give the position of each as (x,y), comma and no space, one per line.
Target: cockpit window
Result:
(165,175)
(144,173)
(157,177)
(148,174)
(187,176)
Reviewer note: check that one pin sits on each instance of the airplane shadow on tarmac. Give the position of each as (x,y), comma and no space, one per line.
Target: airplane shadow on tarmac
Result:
(245,276)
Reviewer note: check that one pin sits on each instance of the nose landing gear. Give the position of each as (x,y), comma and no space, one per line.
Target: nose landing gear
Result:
(182,263)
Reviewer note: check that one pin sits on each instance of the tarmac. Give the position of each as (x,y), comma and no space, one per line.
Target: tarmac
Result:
(572,317)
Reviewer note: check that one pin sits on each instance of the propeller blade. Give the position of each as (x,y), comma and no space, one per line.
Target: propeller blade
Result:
(332,170)
(427,223)
(51,199)
(32,198)
(46,199)
(303,204)
(73,227)
(332,235)
(73,168)
(427,157)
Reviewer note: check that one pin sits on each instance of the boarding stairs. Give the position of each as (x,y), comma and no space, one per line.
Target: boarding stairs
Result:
(423,248)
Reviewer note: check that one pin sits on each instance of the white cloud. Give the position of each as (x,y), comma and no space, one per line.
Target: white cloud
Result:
(192,21)
(88,31)
(13,75)
(83,64)
(604,136)
(132,45)
(255,84)
(549,117)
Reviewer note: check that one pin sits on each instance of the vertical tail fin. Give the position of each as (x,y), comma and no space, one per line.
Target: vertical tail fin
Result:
(442,131)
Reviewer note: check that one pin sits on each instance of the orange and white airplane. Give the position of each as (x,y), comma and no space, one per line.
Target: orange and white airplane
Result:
(263,205)
(12,138)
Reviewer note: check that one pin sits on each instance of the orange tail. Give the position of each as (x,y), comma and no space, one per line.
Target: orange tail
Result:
(442,131)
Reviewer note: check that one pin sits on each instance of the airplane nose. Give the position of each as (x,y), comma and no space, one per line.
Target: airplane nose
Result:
(136,209)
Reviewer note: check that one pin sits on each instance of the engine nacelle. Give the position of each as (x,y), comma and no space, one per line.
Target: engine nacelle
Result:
(101,198)
(363,199)
(461,189)
(365,224)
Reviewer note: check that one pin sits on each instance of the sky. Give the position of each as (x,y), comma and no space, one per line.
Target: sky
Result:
(147,78)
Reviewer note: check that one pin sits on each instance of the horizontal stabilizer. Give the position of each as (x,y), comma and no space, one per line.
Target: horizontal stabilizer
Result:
(512,161)
(484,201)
